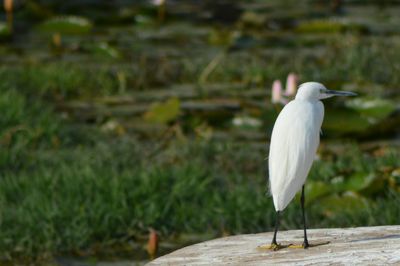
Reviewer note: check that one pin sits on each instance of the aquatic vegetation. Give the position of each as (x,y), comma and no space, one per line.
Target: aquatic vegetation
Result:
(4,30)
(67,25)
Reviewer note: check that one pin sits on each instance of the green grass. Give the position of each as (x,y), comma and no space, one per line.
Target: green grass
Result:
(71,199)
(58,81)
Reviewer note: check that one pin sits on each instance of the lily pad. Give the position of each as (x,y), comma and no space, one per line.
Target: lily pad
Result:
(358,182)
(103,49)
(337,184)
(67,25)
(330,26)
(246,122)
(319,26)
(144,19)
(375,108)
(4,30)
(253,19)
(336,204)
(344,121)
(163,112)
(316,190)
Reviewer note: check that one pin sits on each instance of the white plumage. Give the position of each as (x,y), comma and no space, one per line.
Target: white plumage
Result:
(294,141)
(294,144)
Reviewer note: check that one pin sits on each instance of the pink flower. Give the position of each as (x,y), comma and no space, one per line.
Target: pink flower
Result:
(276,91)
(278,96)
(291,84)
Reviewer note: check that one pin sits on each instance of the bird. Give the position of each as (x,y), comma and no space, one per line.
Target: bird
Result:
(293,147)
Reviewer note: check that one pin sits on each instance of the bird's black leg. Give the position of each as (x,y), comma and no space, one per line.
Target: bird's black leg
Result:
(305,244)
(276,229)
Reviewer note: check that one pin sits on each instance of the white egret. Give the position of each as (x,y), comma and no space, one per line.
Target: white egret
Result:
(294,143)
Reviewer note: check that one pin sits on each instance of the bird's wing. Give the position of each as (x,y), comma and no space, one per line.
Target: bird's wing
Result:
(293,147)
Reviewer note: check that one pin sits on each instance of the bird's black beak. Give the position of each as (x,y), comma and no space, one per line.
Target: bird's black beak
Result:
(339,93)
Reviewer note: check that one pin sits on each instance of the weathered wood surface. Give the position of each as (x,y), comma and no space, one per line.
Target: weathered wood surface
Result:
(352,246)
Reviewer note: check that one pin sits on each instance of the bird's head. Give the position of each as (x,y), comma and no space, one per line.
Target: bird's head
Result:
(317,91)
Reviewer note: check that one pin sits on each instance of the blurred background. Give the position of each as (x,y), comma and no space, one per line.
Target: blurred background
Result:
(129,129)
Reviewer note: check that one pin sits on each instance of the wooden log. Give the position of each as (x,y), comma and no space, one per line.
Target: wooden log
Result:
(378,245)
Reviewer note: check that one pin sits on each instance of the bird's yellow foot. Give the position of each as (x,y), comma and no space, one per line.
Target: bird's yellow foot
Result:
(307,245)
(273,246)
(299,246)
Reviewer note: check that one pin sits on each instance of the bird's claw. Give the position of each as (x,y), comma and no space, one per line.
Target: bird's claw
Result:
(295,246)
(273,246)
(306,245)
(276,246)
